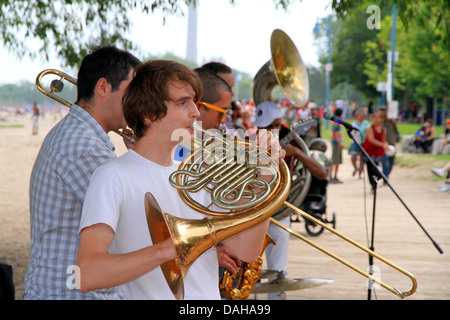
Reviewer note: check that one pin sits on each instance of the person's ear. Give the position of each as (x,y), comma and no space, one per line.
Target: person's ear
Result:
(103,87)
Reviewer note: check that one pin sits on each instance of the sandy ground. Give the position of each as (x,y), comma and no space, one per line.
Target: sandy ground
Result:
(398,237)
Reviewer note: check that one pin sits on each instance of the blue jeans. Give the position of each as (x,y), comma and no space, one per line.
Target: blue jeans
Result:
(387,164)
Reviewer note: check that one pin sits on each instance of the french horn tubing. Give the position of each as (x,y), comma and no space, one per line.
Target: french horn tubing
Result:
(57,85)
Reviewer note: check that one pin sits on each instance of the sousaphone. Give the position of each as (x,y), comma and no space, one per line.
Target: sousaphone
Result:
(287,70)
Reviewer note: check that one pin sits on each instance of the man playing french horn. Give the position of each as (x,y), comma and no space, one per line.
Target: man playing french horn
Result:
(116,248)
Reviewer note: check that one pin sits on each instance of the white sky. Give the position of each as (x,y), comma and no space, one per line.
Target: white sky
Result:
(239,35)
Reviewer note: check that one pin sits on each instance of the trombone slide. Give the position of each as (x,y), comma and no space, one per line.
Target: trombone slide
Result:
(346,263)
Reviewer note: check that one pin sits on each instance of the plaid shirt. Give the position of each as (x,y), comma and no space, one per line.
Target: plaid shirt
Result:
(68,157)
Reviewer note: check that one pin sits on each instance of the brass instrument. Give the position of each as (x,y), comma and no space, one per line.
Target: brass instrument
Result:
(192,238)
(57,85)
(245,186)
(285,68)
(246,278)
(243,194)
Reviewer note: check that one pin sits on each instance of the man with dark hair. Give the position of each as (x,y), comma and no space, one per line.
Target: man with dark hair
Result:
(115,245)
(226,73)
(68,157)
(216,100)
(223,71)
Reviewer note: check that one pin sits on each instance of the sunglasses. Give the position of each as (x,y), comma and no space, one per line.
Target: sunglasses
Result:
(213,107)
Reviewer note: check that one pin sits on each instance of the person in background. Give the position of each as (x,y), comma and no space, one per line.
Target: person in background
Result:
(304,112)
(441,172)
(236,117)
(290,116)
(226,73)
(446,139)
(375,144)
(314,132)
(247,122)
(359,135)
(35,119)
(269,117)
(336,148)
(353,109)
(391,138)
(424,137)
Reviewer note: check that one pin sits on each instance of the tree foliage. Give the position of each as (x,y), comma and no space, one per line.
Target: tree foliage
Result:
(360,54)
(71,28)
(419,13)
(423,67)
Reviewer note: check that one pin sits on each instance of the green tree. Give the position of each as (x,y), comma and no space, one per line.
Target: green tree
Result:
(70,28)
(423,68)
(349,54)
(411,13)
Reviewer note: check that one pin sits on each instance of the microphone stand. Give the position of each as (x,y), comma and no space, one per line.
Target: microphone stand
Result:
(374,170)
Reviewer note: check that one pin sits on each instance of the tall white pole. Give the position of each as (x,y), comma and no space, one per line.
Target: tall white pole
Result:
(191,46)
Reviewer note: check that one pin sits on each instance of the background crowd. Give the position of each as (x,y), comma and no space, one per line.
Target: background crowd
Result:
(376,132)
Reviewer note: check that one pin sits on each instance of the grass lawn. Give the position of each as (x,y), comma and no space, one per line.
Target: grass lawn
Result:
(11,126)
(403,128)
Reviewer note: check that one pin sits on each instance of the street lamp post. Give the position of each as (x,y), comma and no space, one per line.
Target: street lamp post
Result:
(328,66)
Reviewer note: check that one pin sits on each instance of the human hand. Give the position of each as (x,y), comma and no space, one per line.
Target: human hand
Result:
(270,142)
(227,259)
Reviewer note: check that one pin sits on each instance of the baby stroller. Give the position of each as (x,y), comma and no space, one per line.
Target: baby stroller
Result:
(316,198)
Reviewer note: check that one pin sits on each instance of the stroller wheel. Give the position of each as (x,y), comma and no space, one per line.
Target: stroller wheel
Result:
(295,217)
(312,228)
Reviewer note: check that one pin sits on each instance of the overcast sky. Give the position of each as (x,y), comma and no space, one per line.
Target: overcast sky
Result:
(238,35)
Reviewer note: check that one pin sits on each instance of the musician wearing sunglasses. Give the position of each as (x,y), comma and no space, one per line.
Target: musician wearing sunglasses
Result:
(115,243)
(270,117)
(216,100)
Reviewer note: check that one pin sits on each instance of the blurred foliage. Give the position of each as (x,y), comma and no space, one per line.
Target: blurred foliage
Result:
(72,28)
(359,53)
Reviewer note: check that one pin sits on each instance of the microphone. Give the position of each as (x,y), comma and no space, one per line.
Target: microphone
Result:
(329,116)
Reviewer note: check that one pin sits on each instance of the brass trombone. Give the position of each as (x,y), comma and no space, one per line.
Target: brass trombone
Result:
(346,263)
(57,85)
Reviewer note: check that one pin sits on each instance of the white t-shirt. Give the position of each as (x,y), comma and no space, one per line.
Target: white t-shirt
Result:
(116,197)
(303,113)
